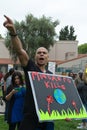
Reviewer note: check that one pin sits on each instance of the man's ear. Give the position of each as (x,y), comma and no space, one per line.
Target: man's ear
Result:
(48,56)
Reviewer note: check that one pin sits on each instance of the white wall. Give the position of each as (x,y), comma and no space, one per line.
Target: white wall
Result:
(60,48)
(4,53)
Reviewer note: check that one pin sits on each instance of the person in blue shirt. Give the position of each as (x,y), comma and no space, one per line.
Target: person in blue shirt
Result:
(15,96)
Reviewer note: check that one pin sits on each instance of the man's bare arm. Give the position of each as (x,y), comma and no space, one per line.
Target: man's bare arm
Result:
(21,53)
(17,45)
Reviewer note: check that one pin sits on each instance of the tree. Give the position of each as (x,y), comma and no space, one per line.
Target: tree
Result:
(33,33)
(82,49)
(1,36)
(67,33)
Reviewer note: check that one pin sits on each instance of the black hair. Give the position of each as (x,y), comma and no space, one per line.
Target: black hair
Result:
(17,73)
(80,75)
(11,71)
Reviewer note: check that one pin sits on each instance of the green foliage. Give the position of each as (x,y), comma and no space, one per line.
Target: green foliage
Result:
(59,124)
(3,124)
(1,36)
(65,125)
(33,33)
(67,33)
(82,49)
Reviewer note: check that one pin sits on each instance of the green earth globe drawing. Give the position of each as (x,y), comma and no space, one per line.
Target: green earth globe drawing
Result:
(59,96)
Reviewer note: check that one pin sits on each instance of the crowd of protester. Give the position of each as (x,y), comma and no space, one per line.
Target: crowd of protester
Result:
(20,109)
(13,97)
(13,93)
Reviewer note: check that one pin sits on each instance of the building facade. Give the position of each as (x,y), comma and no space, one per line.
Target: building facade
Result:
(5,59)
(75,65)
(63,53)
(64,50)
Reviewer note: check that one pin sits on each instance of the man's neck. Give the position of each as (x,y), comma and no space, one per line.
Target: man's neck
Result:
(42,68)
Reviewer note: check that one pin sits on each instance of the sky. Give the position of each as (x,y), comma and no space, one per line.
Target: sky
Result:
(67,12)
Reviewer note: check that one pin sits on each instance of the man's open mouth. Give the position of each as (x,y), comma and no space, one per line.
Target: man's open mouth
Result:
(41,59)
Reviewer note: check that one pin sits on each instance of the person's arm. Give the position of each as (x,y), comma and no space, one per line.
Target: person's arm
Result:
(4,86)
(8,96)
(17,45)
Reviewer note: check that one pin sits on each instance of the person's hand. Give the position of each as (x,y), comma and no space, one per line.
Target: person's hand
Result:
(67,119)
(9,25)
(14,91)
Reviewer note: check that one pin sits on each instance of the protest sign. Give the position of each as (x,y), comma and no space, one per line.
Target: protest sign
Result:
(56,97)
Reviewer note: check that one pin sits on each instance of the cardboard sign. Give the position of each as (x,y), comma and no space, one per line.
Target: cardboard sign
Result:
(56,97)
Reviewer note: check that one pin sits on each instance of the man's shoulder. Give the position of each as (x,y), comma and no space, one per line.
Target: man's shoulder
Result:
(29,66)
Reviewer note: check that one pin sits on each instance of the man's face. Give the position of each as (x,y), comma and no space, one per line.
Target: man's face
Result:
(41,56)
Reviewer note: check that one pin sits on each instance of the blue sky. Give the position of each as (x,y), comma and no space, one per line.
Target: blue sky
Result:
(68,12)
